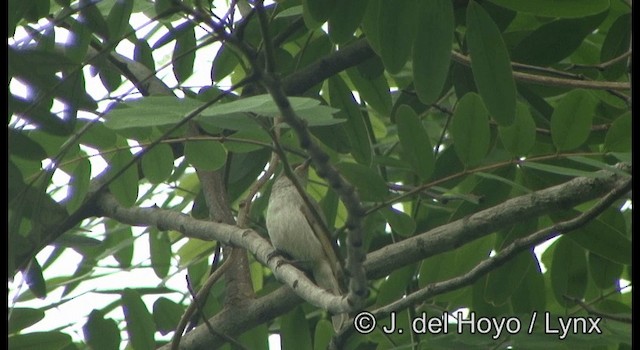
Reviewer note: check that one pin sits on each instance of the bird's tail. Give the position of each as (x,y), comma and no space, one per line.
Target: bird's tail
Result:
(326,279)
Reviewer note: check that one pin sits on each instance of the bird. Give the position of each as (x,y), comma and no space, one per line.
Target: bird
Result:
(294,230)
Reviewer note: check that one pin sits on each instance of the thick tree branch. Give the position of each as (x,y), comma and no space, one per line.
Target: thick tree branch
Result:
(508,253)
(378,263)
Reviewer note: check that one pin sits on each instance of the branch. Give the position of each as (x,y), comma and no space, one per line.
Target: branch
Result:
(551,81)
(378,264)
(590,309)
(457,233)
(507,253)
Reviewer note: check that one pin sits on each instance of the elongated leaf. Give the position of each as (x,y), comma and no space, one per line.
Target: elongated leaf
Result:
(294,331)
(396,23)
(604,272)
(370,24)
(432,48)
(556,40)
(470,129)
(568,271)
(399,221)
(322,335)
(22,318)
(355,127)
(101,333)
(157,163)
(345,19)
(571,120)
(79,185)
(166,315)
(519,137)
(415,142)
(491,65)
(184,55)
(193,249)
(205,155)
(319,10)
(23,146)
(35,280)
(142,53)
(375,91)
(118,19)
(39,340)
(369,184)
(604,239)
(140,325)
(125,186)
(160,250)
(561,170)
(503,282)
(223,64)
(618,137)
(616,44)
(552,8)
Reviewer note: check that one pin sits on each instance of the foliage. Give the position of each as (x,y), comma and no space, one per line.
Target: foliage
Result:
(472,132)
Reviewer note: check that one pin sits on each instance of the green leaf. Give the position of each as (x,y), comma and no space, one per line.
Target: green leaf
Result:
(615,44)
(604,272)
(345,19)
(166,315)
(355,127)
(35,280)
(140,325)
(503,282)
(399,221)
(375,91)
(157,163)
(396,21)
(618,138)
(79,185)
(101,333)
(205,155)
(39,341)
(22,318)
(370,24)
(294,330)
(604,239)
(415,142)
(80,37)
(160,250)
(568,271)
(571,120)
(21,145)
(194,249)
(223,64)
(118,19)
(470,129)
(530,295)
(125,186)
(491,65)
(554,41)
(432,48)
(150,111)
(322,335)
(120,240)
(553,8)
(184,54)
(319,10)
(142,53)
(519,137)
(554,169)
(369,184)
